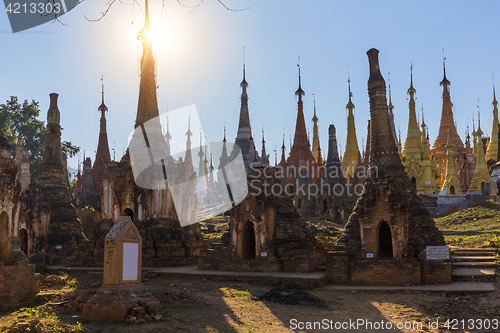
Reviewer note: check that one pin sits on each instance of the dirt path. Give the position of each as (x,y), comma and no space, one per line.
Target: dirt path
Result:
(196,305)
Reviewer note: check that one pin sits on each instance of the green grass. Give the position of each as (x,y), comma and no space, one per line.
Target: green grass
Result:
(484,215)
(481,216)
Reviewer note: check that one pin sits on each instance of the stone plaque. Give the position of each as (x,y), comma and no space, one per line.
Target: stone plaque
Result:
(130,261)
(437,253)
(369,254)
(263,254)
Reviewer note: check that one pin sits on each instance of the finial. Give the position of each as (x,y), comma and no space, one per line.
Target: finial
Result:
(224,132)
(201,144)
(188,133)
(141,35)
(314,101)
(479,132)
(445,80)
(350,104)
(299,91)
(411,90)
(102,108)
(494,95)
(444,59)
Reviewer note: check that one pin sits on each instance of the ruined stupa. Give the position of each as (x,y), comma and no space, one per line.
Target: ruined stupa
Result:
(47,211)
(384,239)
(266,233)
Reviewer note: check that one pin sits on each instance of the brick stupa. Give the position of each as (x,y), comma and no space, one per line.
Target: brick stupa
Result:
(386,234)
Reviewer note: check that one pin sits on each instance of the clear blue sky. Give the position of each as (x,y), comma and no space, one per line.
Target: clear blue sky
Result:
(200,62)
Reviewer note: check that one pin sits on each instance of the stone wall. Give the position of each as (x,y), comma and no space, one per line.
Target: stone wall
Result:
(386,272)
(436,272)
(18,283)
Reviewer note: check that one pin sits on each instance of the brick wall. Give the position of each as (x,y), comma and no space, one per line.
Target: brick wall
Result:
(18,283)
(388,272)
(434,272)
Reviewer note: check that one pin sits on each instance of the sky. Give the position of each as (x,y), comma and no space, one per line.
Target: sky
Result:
(200,58)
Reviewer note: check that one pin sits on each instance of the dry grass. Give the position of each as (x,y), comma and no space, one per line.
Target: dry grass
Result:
(216,306)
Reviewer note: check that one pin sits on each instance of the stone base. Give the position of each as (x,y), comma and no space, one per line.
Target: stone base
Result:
(445,202)
(112,303)
(263,264)
(386,272)
(436,272)
(19,283)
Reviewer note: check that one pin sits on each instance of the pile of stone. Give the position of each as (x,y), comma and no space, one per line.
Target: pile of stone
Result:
(292,297)
(68,304)
(169,297)
(21,326)
(52,280)
(140,313)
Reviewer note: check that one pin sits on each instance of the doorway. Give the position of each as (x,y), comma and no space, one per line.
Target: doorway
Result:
(248,241)
(385,241)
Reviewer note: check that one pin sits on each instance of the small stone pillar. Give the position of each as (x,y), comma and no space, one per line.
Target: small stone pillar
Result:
(122,287)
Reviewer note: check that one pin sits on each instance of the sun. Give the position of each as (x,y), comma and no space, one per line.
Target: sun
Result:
(151,35)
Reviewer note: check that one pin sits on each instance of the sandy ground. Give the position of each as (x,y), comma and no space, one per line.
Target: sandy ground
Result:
(197,305)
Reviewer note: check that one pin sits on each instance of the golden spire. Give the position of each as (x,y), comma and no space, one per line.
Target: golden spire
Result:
(491,153)
(481,174)
(413,148)
(426,163)
(351,152)
(315,142)
(451,184)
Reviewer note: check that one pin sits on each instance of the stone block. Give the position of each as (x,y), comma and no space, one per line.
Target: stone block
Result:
(386,272)
(436,272)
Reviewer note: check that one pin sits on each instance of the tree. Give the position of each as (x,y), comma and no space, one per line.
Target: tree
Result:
(22,119)
(192,5)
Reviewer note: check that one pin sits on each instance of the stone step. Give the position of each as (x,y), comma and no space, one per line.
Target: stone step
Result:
(473,258)
(474,253)
(474,274)
(477,251)
(474,264)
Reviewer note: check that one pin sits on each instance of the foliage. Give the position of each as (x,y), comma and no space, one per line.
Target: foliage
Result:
(22,119)
(69,149)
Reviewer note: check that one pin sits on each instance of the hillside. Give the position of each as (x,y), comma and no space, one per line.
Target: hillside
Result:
(484,215)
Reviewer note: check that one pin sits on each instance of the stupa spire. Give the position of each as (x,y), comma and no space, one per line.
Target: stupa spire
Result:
(148,105)
(481,174)
(383,150)
(102,155)
(447,122)
(390,107)
(413,143)
(491,153)
(451,184)
(315,141)
(188,158)
(168,137)
(351,152)
(301,147)
(243,141)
